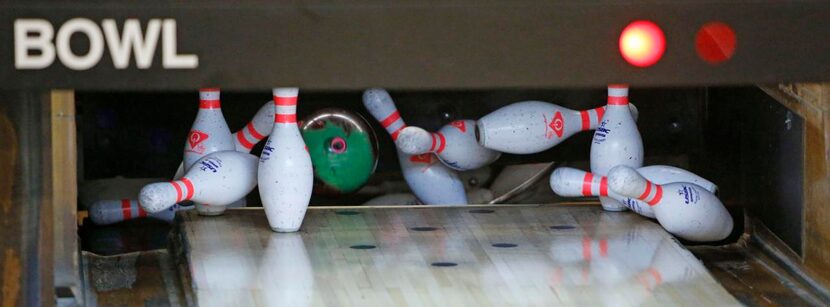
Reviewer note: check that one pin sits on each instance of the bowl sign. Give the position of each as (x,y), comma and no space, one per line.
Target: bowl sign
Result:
(36,44)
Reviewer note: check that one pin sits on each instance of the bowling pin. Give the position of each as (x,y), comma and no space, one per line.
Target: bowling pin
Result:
(455,145)
(684,209)
(431,181)
(106,212)
(534,126)
(245,139)
(616,141)
(257,129)
(208,134)
(219,178)
(571,182)
(285,173)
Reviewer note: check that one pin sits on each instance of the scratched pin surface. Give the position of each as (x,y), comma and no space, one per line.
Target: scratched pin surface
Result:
(428,256)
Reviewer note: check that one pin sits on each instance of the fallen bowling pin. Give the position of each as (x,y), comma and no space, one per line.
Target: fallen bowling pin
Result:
(106,212)
(244,140)
(684,209)
(534,126)
(430,180)
(256,130)
(571,182)
(455,145)
(285,177)
(220,178)
(616,141)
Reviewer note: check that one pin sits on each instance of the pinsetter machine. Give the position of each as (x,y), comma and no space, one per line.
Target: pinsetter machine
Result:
(415,153)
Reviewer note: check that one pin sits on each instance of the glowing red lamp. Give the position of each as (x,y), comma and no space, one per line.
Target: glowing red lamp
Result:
(642,43)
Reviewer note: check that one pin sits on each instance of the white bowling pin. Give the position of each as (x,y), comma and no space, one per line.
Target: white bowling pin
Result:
(455,145)
(431,181)
(244,140)
(616,140)
(257,129)
(534,126)
(571,182)
(685,209)
(208,134)
(106,212)
(219,178)
(285,172)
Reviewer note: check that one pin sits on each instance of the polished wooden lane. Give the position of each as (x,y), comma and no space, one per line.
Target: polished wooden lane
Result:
(444,256)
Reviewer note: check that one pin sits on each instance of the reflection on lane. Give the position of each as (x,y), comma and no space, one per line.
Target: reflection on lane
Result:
(572,256)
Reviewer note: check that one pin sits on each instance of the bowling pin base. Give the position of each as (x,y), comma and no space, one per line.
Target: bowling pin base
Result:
(278,229)
(208,210)
(609,204)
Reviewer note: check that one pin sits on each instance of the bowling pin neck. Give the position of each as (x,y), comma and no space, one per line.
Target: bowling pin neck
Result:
(286,110)
(393,124)
(617,95)
(628,182)
(378,102)
(439,142)
(594,185)
(184,189)
(247,137)
(209,98)
(590,119)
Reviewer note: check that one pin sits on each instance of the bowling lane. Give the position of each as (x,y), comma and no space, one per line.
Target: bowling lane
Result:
(443,256)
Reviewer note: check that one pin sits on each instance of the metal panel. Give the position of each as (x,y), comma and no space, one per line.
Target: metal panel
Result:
(435,44)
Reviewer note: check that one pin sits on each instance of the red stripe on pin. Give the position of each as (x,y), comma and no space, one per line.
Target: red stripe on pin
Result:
(443,143)
(285,118)
(603,186)
(657,196)
(126,212)
(432,147)
(586,120)
(600,112)
(616,101)
(209,104)
(141,212)
(253,132)
(240,137)
(390,119)
(587,183)
(189,186)
(394,134)
(178,191)
(646,192)
(285,101)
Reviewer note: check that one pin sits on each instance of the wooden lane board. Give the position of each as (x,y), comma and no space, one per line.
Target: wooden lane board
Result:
(451,256)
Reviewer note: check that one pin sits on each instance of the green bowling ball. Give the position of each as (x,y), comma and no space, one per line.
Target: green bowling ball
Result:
(343,149)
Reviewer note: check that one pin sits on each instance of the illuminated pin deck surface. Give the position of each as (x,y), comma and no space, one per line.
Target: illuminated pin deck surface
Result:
(473,256)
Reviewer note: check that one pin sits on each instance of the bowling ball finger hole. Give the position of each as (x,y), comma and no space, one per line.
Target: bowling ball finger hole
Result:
(363,246)
(337,145)
(561,227)
(424,228)
(444,264)
(504,245)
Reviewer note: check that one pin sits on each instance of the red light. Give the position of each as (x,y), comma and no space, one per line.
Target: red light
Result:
(642,43)
(715,42)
